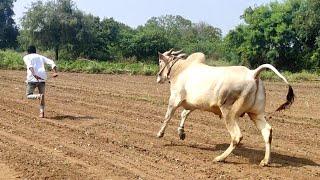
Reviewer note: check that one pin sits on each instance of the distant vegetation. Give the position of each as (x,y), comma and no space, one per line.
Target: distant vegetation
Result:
(60,26)
(8,29)
(13,60)
(285,34)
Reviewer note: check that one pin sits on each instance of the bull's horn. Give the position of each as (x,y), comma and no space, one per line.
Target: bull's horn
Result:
(176,52)
(183,55)
(168,53)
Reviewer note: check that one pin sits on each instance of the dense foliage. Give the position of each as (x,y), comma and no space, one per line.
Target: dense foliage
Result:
(8,28)
(13,60)
(59,25)
(285,34)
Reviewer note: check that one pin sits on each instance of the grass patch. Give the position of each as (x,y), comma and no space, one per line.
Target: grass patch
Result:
(97,67)
(12,60)
(293,77)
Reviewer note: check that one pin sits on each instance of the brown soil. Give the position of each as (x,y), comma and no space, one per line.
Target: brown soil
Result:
(105,126)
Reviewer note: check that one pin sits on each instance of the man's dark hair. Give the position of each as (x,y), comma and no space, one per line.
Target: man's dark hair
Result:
(32,49)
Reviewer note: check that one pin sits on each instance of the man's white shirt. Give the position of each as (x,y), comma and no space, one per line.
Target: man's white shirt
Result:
(37,62)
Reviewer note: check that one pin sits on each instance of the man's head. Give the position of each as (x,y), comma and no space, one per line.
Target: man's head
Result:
(32,49)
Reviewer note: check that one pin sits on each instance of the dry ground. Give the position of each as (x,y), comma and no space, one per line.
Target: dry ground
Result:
(104,127)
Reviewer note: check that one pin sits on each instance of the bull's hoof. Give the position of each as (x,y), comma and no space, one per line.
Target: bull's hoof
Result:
(160,135)
(182,136)
(264,163)
(218,159)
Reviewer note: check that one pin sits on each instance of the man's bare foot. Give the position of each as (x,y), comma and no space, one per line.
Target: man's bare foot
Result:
(41,115)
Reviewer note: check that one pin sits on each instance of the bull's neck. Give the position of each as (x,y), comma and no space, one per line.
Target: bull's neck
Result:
(177,68)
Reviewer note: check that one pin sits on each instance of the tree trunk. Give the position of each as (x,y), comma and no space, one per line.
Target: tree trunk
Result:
(56,49)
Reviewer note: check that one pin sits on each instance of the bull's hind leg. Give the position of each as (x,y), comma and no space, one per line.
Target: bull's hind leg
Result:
(230,119)
(185,113)
(266,132)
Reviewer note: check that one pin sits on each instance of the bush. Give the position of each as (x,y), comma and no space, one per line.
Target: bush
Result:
(107,67)
(11,60)
(301,76)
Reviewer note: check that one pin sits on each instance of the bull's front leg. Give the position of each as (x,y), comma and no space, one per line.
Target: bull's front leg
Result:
(172,106)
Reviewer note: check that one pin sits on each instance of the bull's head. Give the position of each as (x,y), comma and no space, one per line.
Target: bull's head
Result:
(166,61)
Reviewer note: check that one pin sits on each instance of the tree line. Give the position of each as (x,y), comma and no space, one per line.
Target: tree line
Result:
(285,34)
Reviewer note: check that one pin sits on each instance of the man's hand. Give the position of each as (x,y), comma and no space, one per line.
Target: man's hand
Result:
(37,77)
(34,74)
(55,72)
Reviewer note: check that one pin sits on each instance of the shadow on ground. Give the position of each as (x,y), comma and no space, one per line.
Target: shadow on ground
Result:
(254,155)
(69,117)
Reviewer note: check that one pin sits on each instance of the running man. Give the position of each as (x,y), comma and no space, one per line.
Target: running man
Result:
(36,75)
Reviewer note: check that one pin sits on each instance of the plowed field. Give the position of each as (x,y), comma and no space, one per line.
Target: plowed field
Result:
(105,126)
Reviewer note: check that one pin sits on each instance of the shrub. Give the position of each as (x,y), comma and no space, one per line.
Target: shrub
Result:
(11,60)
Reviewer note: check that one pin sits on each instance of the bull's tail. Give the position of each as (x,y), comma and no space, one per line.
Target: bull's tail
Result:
(290,95)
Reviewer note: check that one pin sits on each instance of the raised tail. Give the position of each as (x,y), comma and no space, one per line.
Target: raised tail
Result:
(290,95)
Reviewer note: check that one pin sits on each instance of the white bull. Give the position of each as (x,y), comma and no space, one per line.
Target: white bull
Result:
(229,92)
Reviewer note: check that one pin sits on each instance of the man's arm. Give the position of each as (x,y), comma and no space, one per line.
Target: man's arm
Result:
(34,74)
(53,66)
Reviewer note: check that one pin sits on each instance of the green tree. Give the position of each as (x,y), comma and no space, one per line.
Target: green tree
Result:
(234,45)
(307,23)
(269,36)
(148,41)
(204,38)
(143,43)
(50,25)
(87,43)
(8,28)
(175,26)
(113,34)
(183,34)
(59,25)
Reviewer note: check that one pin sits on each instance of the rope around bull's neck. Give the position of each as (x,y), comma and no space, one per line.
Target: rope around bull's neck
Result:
(174,62)
(169,69)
